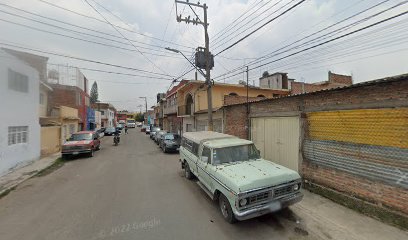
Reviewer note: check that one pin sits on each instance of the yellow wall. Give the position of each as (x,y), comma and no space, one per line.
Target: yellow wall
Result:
(67,112)
(66,129)
(219,91)
(382,127)
(50,139)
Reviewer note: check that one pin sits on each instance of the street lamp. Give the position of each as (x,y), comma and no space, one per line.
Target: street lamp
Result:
(145,98)
(192,64)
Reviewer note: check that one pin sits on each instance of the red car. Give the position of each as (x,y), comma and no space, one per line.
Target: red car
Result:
(84,142)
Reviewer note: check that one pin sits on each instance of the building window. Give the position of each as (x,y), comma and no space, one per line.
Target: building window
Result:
(260,95)
(102,112)
(17,135)
(42,99)
(17,81)
(233,94)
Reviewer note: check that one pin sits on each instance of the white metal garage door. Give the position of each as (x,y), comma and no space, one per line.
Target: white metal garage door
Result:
(278,139)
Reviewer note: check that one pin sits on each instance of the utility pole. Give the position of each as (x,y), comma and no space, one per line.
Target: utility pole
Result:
(145,98)
(247,100)
(208,56)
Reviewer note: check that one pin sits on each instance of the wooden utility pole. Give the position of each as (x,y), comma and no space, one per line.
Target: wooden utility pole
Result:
(208,57)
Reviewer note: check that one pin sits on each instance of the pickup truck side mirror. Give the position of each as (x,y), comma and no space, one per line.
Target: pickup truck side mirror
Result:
(204,159)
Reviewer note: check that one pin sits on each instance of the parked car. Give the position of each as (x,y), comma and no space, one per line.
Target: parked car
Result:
(101,132)
(153,132)
(231,171)
(147,131)
(158,135)
(139,124)
(85,142)
(110,131)
(170,142)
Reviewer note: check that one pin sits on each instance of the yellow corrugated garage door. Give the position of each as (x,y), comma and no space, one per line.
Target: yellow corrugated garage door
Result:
(278,139)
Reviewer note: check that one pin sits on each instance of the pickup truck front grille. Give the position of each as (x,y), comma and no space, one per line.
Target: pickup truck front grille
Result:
(259,197)
(282,191)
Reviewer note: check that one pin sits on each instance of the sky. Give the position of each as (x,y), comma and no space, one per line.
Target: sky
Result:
(376,52)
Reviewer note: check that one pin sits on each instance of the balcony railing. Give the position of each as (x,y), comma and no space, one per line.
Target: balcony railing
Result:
(185,110)
(170,110)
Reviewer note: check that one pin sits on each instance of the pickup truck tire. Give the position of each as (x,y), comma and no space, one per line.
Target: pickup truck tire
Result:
(226,210)
(98,147)
(187,172)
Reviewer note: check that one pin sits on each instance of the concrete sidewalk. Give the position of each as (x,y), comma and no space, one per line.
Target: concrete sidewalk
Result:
(19,175)
(328,220)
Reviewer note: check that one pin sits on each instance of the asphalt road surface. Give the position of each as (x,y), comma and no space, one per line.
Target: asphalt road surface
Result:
(131,191)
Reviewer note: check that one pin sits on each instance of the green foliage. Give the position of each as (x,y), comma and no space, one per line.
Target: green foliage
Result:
(139,117)
(94,93)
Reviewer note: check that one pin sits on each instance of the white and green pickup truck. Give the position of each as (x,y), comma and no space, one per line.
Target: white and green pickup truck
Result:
(230,170)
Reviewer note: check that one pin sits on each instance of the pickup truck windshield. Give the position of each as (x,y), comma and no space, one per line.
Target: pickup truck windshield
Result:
(235,154)
(80,137)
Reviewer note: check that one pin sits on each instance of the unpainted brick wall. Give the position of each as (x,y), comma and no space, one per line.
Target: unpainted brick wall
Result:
(382,94)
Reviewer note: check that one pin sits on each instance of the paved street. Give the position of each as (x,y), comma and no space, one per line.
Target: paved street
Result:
(133,191)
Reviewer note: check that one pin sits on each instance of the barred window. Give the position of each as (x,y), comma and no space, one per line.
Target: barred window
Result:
(17,81)
(17,135)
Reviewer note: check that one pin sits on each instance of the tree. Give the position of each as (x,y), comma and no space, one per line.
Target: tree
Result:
(94,93)
(139,117)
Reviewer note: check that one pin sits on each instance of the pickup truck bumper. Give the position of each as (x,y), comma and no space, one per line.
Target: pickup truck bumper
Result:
(76,152)
(270,207)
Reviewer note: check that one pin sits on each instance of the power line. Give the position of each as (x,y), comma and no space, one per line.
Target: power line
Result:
(74,31)
(236,23)
(231,36)
(80,39)
(99,20)
(258,28)
(81,59)
(328,41)
(70,24)
(276,52)
(148,59)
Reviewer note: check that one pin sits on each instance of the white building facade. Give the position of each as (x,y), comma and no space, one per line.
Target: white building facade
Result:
(19,123)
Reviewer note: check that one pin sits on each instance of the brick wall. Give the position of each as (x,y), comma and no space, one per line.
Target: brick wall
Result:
(231,100)
(67,96)
(341,79)
(235,118)
(372,95)
(374,192)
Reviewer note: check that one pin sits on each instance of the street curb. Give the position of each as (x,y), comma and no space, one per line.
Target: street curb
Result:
(4,192)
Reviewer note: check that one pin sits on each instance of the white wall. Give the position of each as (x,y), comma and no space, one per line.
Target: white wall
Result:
(19,109)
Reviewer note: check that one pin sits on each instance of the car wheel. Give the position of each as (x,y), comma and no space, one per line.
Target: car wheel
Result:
(99,147)
(164,149)
(226,210)
(64,156)
(187,172)
(91,154)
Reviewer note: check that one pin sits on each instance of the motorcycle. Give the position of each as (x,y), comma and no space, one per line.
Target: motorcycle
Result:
(116,139)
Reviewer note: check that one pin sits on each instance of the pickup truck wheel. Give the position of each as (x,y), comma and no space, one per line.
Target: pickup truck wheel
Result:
(187,173)
(99,147)
(226,210)
(91,154)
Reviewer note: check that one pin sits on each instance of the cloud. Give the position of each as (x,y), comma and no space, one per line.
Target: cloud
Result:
(150,17)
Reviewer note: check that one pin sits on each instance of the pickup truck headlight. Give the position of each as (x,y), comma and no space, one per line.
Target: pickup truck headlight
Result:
(296,187)
(243,202)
